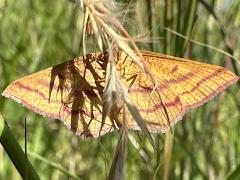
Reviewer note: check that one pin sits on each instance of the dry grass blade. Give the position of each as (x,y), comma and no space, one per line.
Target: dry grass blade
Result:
(112,96)
(115,95)
(139,120)
(107,30)
(117,167)
(85,33)
(138,147)
(106,27)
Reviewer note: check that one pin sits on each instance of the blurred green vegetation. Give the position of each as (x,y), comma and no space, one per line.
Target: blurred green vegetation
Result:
(206,144)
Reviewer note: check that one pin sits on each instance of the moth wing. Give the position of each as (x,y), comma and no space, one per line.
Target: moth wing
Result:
(69,92)
(181,84)
(72,91)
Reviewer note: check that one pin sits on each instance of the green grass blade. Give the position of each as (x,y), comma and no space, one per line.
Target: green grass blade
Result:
(54,165)
(15,152)
(203,44)
(188,25)
(235,174)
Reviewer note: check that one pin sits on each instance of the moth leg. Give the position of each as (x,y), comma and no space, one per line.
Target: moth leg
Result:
(114,118)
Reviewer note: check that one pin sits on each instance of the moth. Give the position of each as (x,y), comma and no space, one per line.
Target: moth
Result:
(72,91)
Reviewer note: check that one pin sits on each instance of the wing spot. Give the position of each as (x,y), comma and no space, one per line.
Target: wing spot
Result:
(175,68)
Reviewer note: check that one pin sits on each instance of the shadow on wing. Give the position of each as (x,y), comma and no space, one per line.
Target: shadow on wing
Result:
(80,84)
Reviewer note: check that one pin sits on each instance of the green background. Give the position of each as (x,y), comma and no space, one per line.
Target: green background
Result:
(206,144)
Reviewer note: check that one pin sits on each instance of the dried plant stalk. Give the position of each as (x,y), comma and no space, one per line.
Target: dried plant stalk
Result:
(108,31)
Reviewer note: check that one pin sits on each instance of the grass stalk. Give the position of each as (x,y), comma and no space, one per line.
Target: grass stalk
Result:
(15,152)
(188,24)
